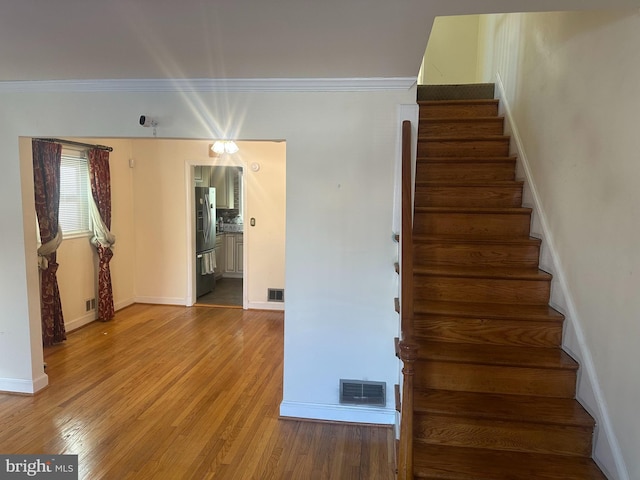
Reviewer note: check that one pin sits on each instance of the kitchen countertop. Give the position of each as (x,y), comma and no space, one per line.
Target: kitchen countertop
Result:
(232,227)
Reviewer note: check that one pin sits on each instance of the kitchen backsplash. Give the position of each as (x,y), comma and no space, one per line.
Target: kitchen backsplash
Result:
(228,214)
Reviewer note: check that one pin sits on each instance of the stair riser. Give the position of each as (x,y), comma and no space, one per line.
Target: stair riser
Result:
(435,462)
(465,172)
(495,379)
(498,147)
(458,111)
(461,127)
(482,290)
(476,255)
(468,196)
(478,224)
(490,331)
(459,431)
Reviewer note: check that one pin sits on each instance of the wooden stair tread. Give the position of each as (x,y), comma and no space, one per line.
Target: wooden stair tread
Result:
(477,210)
(462,138)
(470,184)
(483,272)
(462,119)
(465,239)
(551,358)
(480,101)
(489,310)
(521,408)
(452,160)
(437,462)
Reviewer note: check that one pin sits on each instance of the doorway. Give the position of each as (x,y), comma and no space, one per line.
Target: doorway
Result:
(226,186)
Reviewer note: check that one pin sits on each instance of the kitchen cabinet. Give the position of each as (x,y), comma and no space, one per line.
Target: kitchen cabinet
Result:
(202,175)
(239,253)
(223,179)
(219,270)
(233,251)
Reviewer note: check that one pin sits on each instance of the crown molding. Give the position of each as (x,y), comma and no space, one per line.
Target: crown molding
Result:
(206,85)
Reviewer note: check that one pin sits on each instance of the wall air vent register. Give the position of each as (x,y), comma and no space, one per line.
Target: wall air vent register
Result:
(359,392)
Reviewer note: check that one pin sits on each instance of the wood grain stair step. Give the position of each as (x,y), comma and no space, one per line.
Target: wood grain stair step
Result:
(489,324)
(439,462)
(461,169)
(539,313)
(464,146)
(477,221)
(426,184)
(549,358)
(482,210)
(497,422)
(482,284)
(510,159)
(533,274)
(456,194)
(544,372)
(447,126)
(488,331)
(493,290)
(464,239)
(458,108)
(521,408)
(470,251)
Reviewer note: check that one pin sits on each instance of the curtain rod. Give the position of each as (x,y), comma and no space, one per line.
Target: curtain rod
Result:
(77,144)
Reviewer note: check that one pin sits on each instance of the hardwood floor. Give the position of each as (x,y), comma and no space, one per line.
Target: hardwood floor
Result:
(165,392)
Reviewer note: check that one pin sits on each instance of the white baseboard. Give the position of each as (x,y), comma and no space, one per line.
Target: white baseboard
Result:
(162,300)
(124,303)
(71,325)
(233,275)
(338,413)
(606,450)
(279,306)
(76,323)
(17,385)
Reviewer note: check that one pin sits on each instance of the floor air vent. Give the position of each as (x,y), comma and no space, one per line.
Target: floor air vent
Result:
(275,295)
(360,392)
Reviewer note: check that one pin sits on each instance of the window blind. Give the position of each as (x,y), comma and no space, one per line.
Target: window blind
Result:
(74,195)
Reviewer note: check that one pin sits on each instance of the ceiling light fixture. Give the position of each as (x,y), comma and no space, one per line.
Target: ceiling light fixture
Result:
(224,146)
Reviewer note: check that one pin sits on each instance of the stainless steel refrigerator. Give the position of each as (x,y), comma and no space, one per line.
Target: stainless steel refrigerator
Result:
(205,216)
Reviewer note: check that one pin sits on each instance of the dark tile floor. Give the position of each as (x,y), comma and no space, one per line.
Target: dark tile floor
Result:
(228,292)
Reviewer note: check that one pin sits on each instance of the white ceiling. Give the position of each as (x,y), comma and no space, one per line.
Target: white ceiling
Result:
(145,39)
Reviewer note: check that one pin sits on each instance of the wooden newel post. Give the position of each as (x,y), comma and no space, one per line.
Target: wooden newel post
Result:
(408,355)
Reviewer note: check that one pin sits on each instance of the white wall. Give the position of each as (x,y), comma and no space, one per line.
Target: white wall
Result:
(452,52)
(340,282)
(571,80)
(265,190)
(160,198)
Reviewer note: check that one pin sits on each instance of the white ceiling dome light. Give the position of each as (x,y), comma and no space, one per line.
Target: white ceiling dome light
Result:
(224,146)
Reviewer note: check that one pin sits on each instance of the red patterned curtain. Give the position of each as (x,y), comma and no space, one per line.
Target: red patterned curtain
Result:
(46,182)
(103,239)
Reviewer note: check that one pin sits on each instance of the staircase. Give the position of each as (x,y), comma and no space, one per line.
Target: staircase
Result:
(493,392)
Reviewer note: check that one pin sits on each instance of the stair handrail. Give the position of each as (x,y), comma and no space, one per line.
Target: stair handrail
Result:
(407,349)
(406,237)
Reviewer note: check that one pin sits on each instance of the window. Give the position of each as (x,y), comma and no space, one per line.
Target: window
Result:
(74,194)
